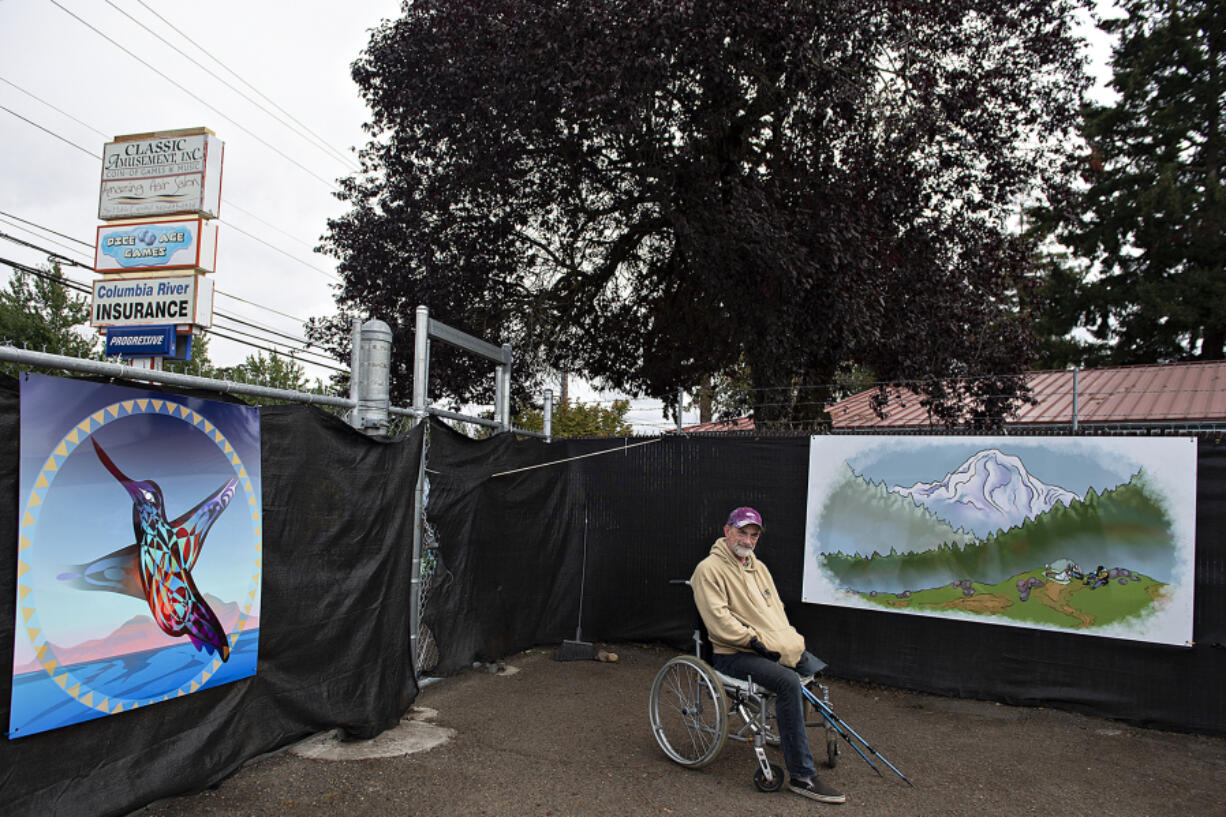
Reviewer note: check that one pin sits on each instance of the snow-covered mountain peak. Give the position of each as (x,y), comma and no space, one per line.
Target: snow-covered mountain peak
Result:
(991,491)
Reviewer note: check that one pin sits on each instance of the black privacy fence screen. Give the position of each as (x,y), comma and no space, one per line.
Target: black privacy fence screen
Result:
(528,540)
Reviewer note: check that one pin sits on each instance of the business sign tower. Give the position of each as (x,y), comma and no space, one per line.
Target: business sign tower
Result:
(159,196)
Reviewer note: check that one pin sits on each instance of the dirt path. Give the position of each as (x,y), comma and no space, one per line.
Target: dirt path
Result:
(571,738)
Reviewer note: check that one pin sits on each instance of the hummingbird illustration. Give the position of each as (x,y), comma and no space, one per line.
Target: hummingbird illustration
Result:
(157,567)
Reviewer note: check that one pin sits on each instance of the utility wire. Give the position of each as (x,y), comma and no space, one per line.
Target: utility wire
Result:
(293,354)
(46,229)
(194,96)
(268,99)
(269,225)
(49,132)
(325,148)
(40,238)
(259,306)
(272,350)
(228,223)
(50,255)
(52,107)
(226,200)
(290,351)
(85,289)
(254,237)
(87,244)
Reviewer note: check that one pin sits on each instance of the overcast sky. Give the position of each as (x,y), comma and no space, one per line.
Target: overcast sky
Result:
(76,73)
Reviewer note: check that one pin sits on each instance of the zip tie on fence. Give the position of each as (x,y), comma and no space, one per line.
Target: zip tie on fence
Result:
(578,457)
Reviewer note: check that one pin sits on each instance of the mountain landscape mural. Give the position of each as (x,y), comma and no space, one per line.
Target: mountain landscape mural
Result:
(989,535)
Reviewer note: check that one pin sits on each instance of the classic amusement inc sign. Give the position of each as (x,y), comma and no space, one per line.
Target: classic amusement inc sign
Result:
(186,299)
(172,172)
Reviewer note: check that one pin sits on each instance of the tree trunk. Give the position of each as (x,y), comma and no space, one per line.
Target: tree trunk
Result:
(704,399)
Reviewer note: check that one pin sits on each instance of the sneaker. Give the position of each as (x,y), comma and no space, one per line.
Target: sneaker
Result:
(815,789)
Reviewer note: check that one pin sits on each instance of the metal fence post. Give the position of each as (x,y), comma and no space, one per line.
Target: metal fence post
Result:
(680,404)
(1075,371)
(421,373)
(374,372)
(355,359)
(505,398)
(421,360)
(547,416)
(500,383)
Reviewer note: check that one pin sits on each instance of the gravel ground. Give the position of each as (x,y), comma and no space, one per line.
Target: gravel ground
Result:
(572,738)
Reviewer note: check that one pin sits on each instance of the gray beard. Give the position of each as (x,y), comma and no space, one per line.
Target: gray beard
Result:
(742,552)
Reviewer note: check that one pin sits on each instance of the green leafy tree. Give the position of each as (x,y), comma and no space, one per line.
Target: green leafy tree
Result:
(574,418)
(39,312)
(1149,222)
(273,371)
(649,192)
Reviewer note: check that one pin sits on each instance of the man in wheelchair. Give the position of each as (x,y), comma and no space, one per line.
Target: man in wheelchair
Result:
(751,637)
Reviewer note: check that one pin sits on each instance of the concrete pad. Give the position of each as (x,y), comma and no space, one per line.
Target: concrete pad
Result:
(413,734)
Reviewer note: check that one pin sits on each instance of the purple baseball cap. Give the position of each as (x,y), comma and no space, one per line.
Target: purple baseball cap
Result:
(745,516)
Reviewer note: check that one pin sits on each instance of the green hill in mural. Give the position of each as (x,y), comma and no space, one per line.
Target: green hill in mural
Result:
(1126,526)
(1028,598)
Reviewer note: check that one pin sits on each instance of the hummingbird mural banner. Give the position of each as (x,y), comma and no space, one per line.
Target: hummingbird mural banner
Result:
(140,551)
(1088,535)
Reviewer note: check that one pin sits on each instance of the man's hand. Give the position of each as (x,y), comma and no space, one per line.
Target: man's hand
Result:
(760,648)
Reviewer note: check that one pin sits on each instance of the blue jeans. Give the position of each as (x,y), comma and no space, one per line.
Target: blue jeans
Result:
(789,703)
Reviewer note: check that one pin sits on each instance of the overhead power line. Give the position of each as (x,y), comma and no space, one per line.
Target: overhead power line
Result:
(50,132)
(51,255)
(253,237)
(90,267)
(41,238)
(274,351)
(257,91)
(259,306)
(318,145)
(301,349)
(196,97)
(227,201)
(54,108)
(47,229)
(293,353)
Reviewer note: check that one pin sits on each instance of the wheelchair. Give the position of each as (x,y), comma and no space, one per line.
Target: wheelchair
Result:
(691,706)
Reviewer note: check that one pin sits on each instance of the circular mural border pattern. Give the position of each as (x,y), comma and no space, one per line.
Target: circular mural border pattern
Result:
(27,608)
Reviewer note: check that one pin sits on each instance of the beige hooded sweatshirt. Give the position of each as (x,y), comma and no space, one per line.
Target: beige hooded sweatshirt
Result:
(737,602)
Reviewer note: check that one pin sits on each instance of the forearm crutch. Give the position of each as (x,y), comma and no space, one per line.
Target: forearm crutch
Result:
(847,733)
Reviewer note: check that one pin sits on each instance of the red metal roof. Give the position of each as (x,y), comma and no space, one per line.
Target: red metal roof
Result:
(1166,393)
(736,424)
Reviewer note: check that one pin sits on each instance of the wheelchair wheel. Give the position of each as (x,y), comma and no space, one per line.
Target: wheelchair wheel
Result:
(776,782)
(832,749)
(688,711)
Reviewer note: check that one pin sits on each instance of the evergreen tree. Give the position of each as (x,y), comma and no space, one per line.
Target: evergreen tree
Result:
(274,372)
(39,312)
(1151,217)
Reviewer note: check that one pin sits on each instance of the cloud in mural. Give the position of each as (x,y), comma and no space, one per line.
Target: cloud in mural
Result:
(991,491)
